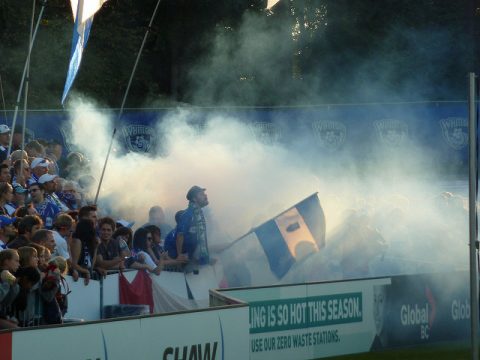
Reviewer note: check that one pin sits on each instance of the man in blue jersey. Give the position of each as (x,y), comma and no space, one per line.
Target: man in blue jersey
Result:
(191,237)
(47,210)
(49,184)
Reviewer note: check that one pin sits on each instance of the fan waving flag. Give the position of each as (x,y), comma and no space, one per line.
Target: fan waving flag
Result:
(292,235)
(83,11)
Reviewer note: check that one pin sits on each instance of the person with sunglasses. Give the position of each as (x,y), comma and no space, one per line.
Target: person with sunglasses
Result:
(142,245)
(38,168)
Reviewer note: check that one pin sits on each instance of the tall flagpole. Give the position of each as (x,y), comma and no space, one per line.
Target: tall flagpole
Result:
(22,81)
(25,99)
(120,113)
(472,197)
(3,100)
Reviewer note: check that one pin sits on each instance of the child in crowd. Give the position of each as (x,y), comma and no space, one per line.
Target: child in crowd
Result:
(9,289)
(54,308)
(28,256)
(43,256)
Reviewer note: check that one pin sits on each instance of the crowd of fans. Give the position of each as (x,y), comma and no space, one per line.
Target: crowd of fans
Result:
(49,228)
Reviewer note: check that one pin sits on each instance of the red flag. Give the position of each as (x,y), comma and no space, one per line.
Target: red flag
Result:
(138,292)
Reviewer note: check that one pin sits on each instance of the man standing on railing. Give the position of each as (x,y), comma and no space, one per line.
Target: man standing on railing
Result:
(191,237)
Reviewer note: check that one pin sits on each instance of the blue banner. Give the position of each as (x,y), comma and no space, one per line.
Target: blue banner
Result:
(364,135)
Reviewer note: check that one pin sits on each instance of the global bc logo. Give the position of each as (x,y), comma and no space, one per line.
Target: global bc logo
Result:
(421,315)
(460,309)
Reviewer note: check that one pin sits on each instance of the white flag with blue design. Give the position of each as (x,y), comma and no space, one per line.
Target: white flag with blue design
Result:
(83,11)
(293,235)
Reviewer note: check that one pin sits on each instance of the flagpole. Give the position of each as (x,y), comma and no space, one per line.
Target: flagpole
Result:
(25,99)
(120,113)
(3,100)
(27,62)
(472,197)
(253,229)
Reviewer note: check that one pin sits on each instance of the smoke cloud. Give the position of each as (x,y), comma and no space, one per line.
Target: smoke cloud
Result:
(379,223)
(389,210)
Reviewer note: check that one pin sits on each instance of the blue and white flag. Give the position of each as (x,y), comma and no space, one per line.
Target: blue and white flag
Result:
(83,11)
(292,235)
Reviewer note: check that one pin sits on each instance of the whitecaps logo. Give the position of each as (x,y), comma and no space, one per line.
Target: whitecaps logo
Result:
(330,134)
(455,132)
(139,138)
(265,132)
(391,132)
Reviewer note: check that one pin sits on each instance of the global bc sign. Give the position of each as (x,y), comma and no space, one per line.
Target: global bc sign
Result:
(418,315)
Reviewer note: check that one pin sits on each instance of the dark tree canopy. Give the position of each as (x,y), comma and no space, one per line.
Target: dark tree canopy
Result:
(234,52)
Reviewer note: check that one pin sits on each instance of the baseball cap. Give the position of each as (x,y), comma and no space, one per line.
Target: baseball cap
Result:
(46,178)
(194,190)
(19,189)
(39,162)
(125,223)
(4,129)
(6,220)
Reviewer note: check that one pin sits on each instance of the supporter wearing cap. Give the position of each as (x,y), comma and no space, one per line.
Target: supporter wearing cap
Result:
(124,223)
(47,210)
(191,240)
(7,230)
(4,141)
(38,167)
(49,184)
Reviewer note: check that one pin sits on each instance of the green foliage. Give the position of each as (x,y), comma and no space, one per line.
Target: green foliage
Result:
(234,52)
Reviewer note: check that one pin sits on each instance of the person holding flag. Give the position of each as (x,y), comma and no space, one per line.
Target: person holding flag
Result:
(191,238)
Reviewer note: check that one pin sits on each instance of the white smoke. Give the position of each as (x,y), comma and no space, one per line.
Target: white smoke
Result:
(250,181)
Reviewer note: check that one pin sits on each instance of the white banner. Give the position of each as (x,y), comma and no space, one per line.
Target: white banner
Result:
(169,337)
